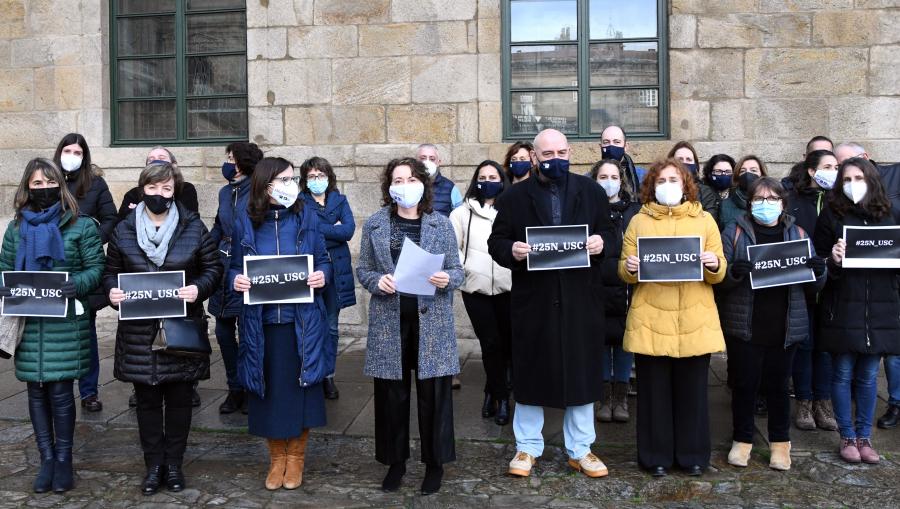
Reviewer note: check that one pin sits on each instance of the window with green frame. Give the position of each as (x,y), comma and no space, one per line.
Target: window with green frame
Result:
(178,71)
(581,65)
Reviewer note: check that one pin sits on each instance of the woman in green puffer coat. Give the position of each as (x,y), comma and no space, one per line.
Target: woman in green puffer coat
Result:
(48,235)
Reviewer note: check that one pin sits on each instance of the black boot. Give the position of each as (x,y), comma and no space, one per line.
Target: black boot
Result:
(502,418)
(233,402)
(394,476)
(330,389)
(42,421)
(488,409)
(890,419)
(63,403)
(153,480)
(174,478)
(432,482)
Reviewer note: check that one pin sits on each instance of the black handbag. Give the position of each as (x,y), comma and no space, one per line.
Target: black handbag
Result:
(182,336)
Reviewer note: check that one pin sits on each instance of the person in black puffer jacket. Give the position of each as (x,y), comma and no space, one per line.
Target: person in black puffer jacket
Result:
(179,242)
(616,362)
(859,310)
(685,152)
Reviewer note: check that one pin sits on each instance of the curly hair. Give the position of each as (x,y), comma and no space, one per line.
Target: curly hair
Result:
(648,186)
(418,171)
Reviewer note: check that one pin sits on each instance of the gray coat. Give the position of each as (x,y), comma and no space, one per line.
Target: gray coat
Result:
(437,335)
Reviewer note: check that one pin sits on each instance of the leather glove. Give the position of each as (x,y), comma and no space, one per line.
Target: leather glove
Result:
(740,268)
(68,289)
(817,264)
(5,291)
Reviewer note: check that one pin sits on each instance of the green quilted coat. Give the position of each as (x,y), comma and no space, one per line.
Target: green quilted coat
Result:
(56,349)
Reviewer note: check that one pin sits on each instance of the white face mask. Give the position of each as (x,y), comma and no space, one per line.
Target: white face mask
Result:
(669,194)
(409,195)
(70,162)
(856,190)
(612,187)
(825,178)
(431,167)
(285,194)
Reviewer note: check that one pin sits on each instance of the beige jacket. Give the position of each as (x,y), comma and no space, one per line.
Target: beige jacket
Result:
(472,224)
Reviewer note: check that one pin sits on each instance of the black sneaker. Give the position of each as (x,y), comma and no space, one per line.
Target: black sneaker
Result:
(233,402)
(890,419)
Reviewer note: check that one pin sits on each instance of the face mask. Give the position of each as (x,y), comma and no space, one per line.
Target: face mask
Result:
(488,190)
(431,167)
(519,168)
(157,203)
(766,213)
(613,152)
(745,179)
(229,170)
(317,187)
(612,187)
(669,194)
(285,194)
(70,162)
(408,196)
(693,168)
(856,190)
(554,168)
(44,198)
(825,178)
(720,182)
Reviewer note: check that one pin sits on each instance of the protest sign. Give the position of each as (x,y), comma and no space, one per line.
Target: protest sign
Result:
(872,247)
(669,259)
(150,295)
(35,293)
(780,263)
(557,247)
(278,279)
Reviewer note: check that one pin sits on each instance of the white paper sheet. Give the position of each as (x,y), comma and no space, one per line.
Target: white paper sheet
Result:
(414,267)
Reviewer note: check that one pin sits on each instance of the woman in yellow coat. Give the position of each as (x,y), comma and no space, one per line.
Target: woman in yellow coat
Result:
(672,328)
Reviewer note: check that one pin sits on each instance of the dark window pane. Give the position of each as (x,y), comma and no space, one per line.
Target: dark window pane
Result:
(544,66)
(146,78)
(217,75)
(146,120)
(534,111)
(623,64)
(151,35)
(634,110)
(543,20)
(144,6)
(217,118)
(194,5)
(216,32)
(615,19)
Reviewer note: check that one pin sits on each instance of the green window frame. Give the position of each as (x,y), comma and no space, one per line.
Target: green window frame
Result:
(226,109)
(581,87)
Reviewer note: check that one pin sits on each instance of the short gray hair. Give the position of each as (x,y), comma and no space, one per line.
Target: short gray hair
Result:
(428,145)
(852,145)
(160,147)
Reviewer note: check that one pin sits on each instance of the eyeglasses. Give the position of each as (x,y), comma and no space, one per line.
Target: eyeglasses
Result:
(722,172)
(771,200)
(317,178)
(287,180)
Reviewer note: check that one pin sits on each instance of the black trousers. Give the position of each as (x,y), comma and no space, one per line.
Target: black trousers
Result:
(672,411)
(164,421)
(51,406)
(751,365)
(490,316)
(433,398)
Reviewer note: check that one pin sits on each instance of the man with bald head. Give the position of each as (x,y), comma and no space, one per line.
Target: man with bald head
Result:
(614,145)
(557,315)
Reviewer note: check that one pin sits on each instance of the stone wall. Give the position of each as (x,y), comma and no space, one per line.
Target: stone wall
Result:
(360,82)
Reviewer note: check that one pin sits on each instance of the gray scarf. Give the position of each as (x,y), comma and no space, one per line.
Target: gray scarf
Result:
(155,243)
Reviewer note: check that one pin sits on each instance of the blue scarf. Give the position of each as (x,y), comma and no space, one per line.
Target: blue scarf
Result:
(42,242)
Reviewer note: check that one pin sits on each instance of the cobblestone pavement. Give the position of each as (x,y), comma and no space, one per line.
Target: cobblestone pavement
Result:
(226,467)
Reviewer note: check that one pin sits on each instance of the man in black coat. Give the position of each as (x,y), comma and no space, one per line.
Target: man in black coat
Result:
(557,315)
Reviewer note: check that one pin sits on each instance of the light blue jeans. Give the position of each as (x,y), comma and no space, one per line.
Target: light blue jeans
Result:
(859,371)
(578,429)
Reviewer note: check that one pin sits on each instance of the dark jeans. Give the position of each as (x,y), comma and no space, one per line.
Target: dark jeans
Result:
(490,317)
(333,310)
(752,364)
(87,385)
(51,406)
(164,421)
(672,411)
(226,336)
(812,369)
(435,408)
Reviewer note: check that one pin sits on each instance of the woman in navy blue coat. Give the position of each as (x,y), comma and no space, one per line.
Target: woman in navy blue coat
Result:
(319,185)
(281,362)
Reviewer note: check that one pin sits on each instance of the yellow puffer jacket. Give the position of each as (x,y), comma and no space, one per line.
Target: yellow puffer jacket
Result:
(673,319)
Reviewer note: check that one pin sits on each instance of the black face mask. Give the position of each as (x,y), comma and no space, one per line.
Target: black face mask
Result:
(43,198)
(157,203)
(746,179)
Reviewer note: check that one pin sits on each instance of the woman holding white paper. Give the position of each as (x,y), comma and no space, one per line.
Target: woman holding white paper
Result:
(408,332)
(859,309)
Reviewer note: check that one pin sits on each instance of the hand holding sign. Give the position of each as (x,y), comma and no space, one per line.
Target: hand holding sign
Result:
(837,252)
(632,264)
(520,251)
(594,245)
(116,296)
(710,261)
(387,284)
(241,283)
(188,293)
(316,279)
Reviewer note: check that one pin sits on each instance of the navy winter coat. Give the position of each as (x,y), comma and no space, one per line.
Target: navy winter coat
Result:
(225,302)
(336,209)
(312,326)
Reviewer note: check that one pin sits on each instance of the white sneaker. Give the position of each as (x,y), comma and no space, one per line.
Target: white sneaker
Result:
(520,466)
(589,465)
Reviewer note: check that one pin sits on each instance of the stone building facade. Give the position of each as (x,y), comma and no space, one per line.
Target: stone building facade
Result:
(360,82)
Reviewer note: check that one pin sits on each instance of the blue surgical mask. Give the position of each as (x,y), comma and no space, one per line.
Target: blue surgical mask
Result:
(720,182)
(317,187)
(613,152)
(554,168)
(766,213)
(519,168)
(488,190)
(229,170)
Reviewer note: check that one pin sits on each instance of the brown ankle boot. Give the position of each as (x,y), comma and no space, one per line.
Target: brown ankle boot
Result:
(277,458)
(296,455)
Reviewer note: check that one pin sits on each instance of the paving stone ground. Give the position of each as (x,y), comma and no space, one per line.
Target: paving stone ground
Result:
(226,467)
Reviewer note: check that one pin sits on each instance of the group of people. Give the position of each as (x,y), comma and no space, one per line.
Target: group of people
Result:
(570,338)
